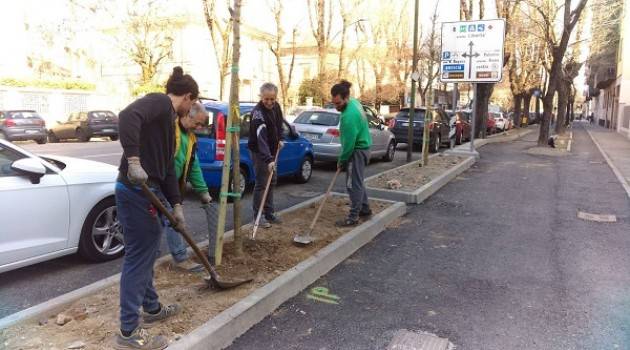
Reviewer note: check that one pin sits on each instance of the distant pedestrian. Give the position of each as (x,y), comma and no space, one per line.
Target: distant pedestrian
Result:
(265,136)
(147,135)
(187,169)
(355,150)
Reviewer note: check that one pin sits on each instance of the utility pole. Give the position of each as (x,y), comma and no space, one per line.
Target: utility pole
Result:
(414,77)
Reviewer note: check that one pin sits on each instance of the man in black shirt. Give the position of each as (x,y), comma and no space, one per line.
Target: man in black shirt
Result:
(147,135)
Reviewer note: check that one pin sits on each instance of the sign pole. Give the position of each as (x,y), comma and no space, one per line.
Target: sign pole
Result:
(474,118)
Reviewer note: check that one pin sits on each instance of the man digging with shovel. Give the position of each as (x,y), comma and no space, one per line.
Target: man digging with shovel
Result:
(355,141)
(147,136)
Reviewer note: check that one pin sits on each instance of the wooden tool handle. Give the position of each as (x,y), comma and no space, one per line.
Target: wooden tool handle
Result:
(321,205)
(264,197)
(162,209)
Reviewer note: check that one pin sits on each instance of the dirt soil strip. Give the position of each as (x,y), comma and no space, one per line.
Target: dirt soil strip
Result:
(94,318)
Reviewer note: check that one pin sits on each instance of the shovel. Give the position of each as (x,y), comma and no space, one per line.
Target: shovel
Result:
(307,239)
(214,279)
(264,197)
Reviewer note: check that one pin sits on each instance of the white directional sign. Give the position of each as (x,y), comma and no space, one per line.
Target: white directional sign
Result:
(472,51)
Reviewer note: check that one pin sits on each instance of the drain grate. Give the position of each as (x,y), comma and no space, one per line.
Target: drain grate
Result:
(596,217)
(406,340)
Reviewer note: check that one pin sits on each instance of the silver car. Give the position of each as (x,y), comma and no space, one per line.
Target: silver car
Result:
(321,127)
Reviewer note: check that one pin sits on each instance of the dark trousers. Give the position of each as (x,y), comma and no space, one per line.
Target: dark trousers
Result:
(142,229)
(355,185)
(262,175)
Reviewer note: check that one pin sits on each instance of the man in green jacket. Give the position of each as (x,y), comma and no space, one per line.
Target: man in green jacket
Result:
(355,150)
(187,169)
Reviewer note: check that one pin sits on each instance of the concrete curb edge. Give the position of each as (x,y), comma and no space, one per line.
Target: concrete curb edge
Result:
(612,165)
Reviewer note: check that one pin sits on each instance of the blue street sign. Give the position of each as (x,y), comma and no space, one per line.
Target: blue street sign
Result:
(452,67)
(446,55)
(481,27)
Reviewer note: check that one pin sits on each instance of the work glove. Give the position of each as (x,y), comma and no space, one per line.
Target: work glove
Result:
(178,213)
(342,165)
(135,173)
(205,198)
(271,166)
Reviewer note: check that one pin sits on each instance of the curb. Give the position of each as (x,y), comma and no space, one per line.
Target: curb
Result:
(422,193)
(612,165)
(493,139)
(224,328)
(221,330)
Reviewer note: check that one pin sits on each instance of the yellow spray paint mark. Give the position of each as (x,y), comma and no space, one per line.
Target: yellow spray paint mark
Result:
(322,294)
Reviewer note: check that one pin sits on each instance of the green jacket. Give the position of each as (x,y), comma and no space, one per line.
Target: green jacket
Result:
(353,130)
(185,143)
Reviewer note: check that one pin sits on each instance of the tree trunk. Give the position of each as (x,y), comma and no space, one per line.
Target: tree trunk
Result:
(562,108)
(234,115)
(543,136)
(527,100)
(484,91)
(518,104)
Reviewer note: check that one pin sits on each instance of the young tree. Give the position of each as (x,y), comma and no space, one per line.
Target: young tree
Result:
(320,18)
(275,47)
(220,33)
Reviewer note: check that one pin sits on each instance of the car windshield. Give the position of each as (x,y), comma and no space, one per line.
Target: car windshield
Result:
(418,114)
(318,118)
(23,115)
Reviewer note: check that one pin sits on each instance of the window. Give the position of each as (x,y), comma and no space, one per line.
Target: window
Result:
(7,157)
(318,118)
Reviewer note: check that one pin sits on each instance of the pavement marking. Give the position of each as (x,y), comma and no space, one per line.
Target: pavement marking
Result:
(595,162)
(322,294)
(103,155)
(304,194)
(596,217)
(614,168)
(406,340)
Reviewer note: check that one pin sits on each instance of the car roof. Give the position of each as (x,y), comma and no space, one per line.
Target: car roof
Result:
(223,106)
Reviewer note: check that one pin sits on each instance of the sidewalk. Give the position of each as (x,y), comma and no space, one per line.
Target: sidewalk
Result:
(496,259)
(616,150)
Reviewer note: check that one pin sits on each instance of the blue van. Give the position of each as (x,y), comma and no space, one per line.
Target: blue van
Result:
(295,159)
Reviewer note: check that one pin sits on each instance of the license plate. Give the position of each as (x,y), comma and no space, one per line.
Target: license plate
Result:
(311,136)
(32,131)
(404,124)
(108,130)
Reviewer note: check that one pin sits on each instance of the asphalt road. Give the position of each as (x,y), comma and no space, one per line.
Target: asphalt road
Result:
(31,285)
(497,259)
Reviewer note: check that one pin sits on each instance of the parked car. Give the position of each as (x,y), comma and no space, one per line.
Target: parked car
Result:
(321,127)
(295,111)
(85,125)
(502,123)
(491,123)
(295,159)
(439,128)
(53,206)
(22,125)
(533,118)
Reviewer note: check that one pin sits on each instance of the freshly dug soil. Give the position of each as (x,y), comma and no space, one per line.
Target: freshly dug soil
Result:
(95,318)
(413,177)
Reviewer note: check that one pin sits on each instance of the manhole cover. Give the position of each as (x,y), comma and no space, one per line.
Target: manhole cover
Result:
(596,217)
(304,194)
(406,340)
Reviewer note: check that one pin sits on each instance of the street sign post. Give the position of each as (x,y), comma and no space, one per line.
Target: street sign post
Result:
(472,52)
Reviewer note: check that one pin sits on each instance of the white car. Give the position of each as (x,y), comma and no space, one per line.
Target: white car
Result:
(502,122)
(52,206)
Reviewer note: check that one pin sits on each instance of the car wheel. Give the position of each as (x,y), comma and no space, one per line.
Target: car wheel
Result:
(391,152)
(83,135)
(436,144)
(114,138)
(306,170)
(102,235)
(244,186)
(42,141)
(52,138)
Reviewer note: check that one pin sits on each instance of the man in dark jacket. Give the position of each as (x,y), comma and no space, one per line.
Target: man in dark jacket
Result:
(265,135)
(147,136)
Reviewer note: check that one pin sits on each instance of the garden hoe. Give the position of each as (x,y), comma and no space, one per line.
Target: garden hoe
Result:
(307,239)
(214,279)
(264,197)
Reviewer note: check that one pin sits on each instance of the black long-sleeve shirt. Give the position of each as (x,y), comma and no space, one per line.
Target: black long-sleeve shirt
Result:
(265,131)
(147,130)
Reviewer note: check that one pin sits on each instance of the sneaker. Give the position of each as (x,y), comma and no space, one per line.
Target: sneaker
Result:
(347,222)
(264,223)
(188,265)
(366,213)
(140,339)
(272,219)
(164,313)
